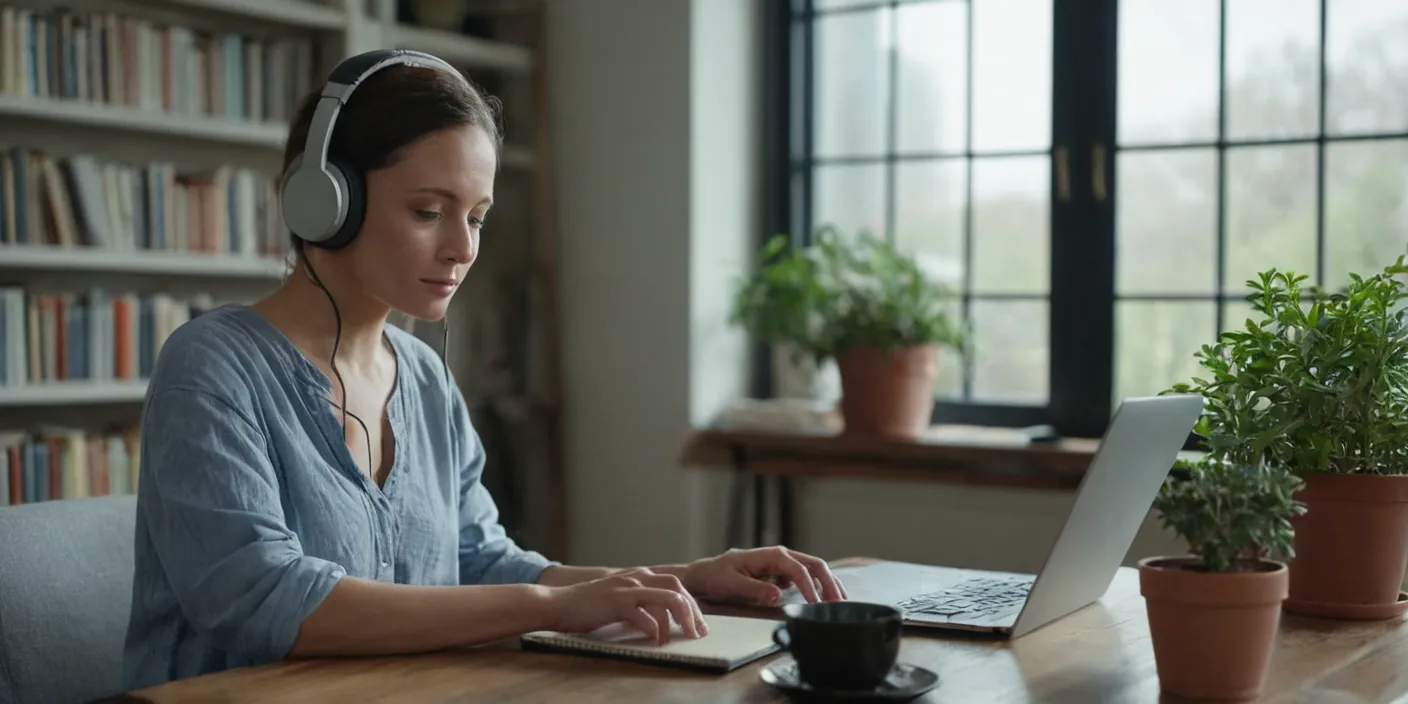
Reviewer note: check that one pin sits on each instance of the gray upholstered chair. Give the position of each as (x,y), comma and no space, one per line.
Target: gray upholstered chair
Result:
(65,590)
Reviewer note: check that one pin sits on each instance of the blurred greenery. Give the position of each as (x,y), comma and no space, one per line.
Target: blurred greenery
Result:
(843,293)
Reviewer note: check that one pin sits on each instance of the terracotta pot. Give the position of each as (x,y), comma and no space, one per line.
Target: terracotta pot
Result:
(888,394)
(1212,631)
(1351,547)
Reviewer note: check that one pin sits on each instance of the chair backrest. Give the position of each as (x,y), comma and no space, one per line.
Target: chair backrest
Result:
(65,592)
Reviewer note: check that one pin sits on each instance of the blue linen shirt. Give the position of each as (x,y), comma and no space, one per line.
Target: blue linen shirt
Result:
(250,507)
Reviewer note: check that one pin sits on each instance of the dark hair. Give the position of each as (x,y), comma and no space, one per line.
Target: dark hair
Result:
(391,109)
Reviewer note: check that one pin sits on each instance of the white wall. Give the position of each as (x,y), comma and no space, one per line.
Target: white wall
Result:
(726,214)
(654,160)
(655,118)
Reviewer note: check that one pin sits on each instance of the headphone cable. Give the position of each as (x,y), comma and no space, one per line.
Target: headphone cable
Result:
(337,339)
(445,367)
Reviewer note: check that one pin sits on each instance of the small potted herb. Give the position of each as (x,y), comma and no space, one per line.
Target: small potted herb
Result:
(1213,615)
(864,304)
(1319,385)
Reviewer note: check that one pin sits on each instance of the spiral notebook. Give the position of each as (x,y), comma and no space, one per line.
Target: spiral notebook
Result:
(732,642)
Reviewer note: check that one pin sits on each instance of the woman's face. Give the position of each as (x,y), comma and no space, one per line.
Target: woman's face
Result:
(424,213)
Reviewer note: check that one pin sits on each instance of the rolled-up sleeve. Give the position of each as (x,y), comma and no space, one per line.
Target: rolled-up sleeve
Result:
(210,498)
(487,554)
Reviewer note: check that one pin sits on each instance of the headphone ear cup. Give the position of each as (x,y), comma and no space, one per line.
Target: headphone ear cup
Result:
(355,192)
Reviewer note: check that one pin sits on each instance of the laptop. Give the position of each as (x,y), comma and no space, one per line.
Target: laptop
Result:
(1134,457)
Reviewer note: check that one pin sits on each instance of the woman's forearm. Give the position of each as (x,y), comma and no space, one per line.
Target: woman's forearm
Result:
(365,617)
(566,576)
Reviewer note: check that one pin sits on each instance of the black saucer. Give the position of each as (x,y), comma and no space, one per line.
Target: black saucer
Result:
(905,682)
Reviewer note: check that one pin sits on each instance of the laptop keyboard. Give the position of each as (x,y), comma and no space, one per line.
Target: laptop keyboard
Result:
(972,598)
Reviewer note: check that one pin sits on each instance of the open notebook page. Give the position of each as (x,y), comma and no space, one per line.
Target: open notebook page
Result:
(732,641)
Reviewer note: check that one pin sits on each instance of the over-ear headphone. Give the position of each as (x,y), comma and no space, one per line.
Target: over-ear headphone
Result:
(322,198)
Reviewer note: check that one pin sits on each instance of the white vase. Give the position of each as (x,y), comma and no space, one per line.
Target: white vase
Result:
(802,378)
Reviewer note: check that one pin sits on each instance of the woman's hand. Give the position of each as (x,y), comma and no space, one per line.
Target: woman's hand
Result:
(639,597)
(759,575)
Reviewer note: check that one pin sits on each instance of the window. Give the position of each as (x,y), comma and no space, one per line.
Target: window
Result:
(1098,178)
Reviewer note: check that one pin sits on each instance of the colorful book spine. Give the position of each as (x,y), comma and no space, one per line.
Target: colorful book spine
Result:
(120,60)
(54,337)
(61,463)
(81,201)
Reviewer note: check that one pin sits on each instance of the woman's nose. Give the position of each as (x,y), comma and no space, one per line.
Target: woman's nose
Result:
(463,246)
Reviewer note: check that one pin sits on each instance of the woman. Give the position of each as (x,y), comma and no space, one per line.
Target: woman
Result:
(270,526)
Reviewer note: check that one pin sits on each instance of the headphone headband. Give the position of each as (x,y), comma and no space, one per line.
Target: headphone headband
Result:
(343,80)
(320,199)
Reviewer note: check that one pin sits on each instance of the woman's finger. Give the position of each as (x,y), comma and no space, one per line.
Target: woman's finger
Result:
(696,615)
(831,587)
(642,621)
(662,617)
(783,564)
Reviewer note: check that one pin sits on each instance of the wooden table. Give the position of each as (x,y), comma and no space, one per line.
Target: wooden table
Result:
(947,453)
(1099,654)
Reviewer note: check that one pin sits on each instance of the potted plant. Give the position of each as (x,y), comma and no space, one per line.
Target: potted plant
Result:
(1319,385)
(1213,615)
(865,305)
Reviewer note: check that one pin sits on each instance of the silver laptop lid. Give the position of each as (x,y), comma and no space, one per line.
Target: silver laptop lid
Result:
(1115,496)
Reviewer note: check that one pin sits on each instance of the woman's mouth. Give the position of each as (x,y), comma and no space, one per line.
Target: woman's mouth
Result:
(441,287)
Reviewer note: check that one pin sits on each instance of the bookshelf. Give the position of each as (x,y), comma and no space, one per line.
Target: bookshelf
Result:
(48,258)
(78,115)
(73,392)
(461,50)
(200,111)
(302,14)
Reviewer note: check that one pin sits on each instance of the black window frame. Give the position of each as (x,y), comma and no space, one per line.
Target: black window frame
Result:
(1080,362)
(1084,147)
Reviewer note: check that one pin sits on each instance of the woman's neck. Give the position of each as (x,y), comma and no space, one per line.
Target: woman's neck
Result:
(301,310)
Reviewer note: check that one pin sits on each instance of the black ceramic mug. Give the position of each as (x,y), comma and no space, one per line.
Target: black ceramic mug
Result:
(846,645)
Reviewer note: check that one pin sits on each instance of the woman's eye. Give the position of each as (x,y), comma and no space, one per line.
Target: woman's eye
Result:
(476,222)
(428,215)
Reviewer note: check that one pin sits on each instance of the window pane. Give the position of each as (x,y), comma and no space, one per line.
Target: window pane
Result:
(932,77)
(1011,74)
(1366,216)
(1273,68)
(1367,67)
(852,66)
(1236,312)
(1271,212)
(1166,221)
(949,385)
(1155,342)
(820,5)
(929,209)
(1011,225)
(1168,71)
(849,197)
(1010,351)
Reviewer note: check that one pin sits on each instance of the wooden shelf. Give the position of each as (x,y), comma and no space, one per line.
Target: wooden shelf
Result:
(267,135)
(461,50)
(289,13)
(73,392)
(99,259)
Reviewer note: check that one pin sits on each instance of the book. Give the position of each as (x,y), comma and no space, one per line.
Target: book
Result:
(732,641)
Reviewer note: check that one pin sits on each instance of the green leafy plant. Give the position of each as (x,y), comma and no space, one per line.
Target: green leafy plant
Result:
(837,295)
(1318,384)
(1233,516)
